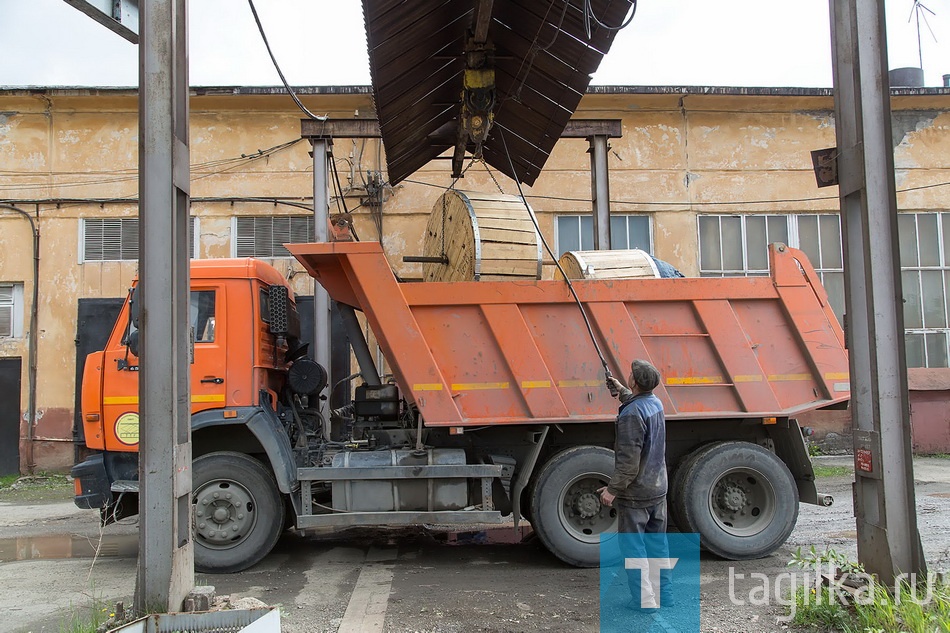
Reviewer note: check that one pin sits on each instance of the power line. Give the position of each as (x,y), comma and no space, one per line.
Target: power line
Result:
(694,203)
(131,176)
(290,91)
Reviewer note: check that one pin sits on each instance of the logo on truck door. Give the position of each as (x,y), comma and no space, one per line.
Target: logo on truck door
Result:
(127,428)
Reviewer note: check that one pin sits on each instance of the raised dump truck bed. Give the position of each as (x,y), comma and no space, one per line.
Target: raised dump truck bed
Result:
(477,353)
(506,371)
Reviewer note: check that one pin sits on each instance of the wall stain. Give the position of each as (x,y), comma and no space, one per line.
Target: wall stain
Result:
(906,122)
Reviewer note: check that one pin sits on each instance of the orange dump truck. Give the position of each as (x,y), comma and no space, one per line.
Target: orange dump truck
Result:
(496,405)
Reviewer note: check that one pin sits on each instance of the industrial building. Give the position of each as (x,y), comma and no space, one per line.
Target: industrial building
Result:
(704,178)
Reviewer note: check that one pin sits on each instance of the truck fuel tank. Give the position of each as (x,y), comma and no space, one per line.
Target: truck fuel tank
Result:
(399,494)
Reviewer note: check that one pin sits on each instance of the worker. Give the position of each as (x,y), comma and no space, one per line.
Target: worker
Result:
(638,485)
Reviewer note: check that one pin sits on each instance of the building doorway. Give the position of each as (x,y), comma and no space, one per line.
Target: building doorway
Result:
(10,415)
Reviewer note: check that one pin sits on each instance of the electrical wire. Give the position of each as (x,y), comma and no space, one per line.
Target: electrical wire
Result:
(196,168)
(692,203)
(341,199)
(589,16)
(290,91)
(534,49)
(547,247)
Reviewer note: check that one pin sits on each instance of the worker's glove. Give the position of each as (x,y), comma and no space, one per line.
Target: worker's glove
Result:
(617,390)
(614,386)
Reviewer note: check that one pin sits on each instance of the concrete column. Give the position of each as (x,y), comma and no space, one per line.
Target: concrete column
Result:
(884,500)
(166,554)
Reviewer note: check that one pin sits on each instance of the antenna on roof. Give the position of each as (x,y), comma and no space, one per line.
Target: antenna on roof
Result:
(919,10)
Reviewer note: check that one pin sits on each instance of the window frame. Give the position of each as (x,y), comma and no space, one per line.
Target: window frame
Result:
(578,216)
(311,232)
(16,307)
(195,239)
(918,270)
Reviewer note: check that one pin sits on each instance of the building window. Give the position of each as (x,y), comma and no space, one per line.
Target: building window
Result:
(117,239)
(576,233)
(925,278)
(11,310)
(737,246)
(265,236)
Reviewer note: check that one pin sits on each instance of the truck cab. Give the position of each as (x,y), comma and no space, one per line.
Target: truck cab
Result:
(243,322)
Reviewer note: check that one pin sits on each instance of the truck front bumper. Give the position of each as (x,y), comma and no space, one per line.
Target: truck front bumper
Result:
(93,489)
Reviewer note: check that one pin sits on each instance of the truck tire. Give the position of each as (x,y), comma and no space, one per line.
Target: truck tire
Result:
(566,510)
(676,496)
(739,497)
(238,512)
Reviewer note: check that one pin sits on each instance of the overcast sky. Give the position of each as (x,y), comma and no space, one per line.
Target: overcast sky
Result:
(321,42)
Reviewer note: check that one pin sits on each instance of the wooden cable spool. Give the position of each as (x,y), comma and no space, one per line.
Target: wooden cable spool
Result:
(628,264)
(483,236)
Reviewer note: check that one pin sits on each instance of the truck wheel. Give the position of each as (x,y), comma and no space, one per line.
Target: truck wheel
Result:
(565,506)
(676,497)
(238,512)
(740,497)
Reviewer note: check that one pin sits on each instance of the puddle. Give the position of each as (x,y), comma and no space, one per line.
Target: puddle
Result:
(59,546)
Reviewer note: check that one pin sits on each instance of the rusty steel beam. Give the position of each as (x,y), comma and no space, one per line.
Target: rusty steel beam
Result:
(369,128)
(339,128)
(481,20)
(586,128)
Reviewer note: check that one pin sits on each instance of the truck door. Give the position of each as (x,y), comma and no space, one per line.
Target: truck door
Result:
(209,372)
(120,377)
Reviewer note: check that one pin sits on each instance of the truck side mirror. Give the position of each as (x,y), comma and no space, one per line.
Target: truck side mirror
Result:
(133,341)
(134,312)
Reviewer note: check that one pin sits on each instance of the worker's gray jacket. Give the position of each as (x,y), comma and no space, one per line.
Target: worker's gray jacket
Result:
(640,452)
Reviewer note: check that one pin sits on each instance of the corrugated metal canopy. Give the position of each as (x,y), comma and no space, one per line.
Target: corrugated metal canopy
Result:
(542,61)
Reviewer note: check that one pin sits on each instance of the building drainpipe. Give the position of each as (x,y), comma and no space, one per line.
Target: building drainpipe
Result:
(31,352)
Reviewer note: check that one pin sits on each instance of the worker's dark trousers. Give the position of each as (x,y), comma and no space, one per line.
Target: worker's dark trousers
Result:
(649,520)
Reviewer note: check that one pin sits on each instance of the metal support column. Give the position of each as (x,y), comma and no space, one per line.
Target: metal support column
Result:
(600,191)
(884,500)
(321,214)
(166,554)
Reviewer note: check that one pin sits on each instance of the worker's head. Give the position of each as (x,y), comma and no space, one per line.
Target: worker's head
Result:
(643,376)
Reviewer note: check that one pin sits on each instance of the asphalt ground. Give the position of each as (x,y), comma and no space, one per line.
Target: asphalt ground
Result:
(56,564)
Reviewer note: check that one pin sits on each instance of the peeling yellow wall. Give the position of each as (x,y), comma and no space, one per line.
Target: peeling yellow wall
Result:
(680,155)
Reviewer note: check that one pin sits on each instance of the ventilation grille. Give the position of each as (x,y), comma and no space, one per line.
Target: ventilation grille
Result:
(117,239)
(265,236)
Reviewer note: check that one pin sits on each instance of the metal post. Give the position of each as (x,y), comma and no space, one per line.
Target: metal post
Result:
(321,214)
(364,358)
(600,191)
(884,500)
(166,554)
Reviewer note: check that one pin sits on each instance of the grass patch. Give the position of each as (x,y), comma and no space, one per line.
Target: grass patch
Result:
(832,471)
(35,488)
(86,618)
(870,607)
